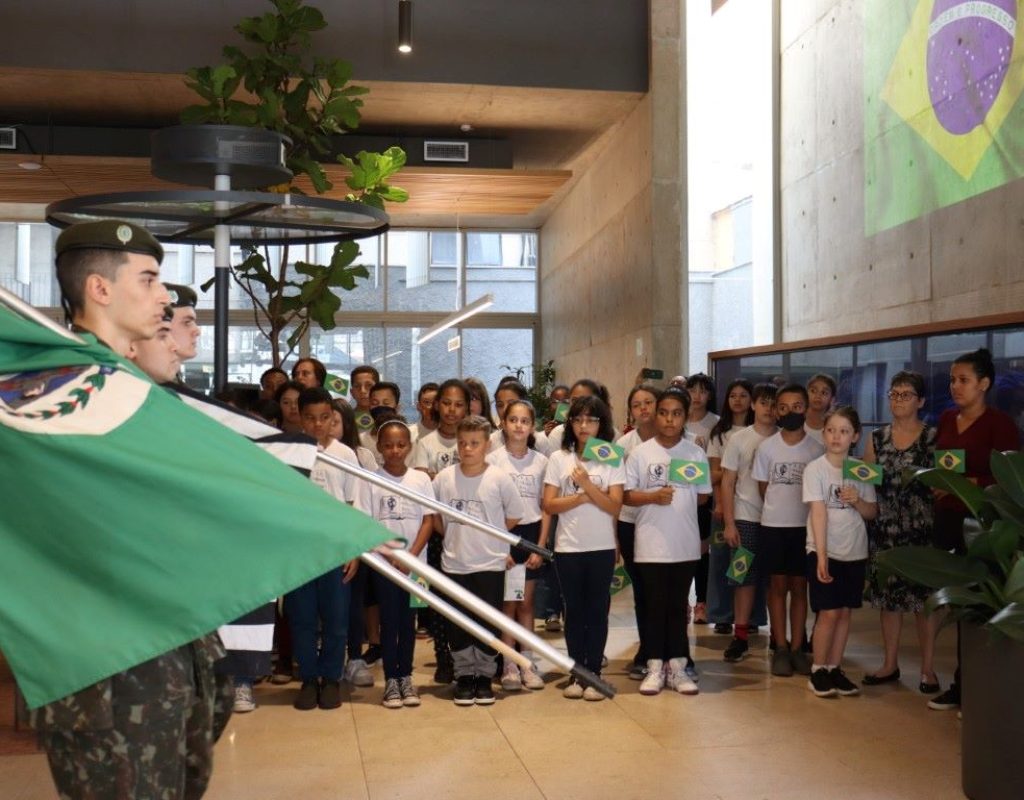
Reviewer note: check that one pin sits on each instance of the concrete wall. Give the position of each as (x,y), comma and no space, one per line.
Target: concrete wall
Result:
(961,261)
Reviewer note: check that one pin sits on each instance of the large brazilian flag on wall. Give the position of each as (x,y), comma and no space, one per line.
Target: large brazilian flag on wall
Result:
(131,524)
(943,117)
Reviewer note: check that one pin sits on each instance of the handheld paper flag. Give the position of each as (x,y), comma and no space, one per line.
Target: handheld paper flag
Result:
(561,412)
(364,421)
(695,472)
(336,384)
(620,580)
(856,470)
(414,601)
(739,567)
(603,452)
(952,460)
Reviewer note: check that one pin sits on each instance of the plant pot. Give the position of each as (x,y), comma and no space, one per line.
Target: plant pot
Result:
(993,714)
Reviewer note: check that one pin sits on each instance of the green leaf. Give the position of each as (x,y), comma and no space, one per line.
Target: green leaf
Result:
(306,268)
(1010,621)
(323,308)
(393,194)
(971,495)
(958,597)
(1008,470)
(353,91)
(931,567)
(222,77)
(996,545)
(339,72)
(344,254)
(1004,505)
(1014,587)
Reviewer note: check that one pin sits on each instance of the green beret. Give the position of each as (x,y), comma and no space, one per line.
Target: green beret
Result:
(109,234)
(182,296)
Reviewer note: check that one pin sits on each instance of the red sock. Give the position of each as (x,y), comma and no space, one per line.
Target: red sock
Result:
(741,631)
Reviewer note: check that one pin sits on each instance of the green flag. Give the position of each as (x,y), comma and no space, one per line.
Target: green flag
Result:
(603,452)
(856,470)
(620,580)
(561,412)
(739,567)
(336,384)
(414,601)
(695,472)
(952,460)
(131,523)
(364,421)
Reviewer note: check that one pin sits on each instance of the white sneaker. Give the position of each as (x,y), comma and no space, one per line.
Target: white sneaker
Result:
(678,679)
(574,691)
(590,693)
(357,673)
(510,680)
(243,699)
(654,682)
(532,678)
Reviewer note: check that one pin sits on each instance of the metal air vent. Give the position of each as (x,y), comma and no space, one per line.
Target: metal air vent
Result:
(8,138)
(445,151)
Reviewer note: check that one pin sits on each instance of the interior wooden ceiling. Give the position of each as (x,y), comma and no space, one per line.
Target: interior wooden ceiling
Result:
(551,131)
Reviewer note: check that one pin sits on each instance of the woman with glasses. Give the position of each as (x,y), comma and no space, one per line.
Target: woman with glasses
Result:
(904,518)
(586,495)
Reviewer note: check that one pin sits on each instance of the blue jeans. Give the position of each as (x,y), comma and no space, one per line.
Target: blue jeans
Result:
(319,607)
(586,580)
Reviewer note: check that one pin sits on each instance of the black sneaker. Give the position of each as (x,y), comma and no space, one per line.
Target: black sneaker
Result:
(445,672)
(843,685)
(330,695)
(821,683)
(946,701)
(309,696)
(723,628)
(465,691)
(484,695)
(807,647)
(371,654)
(736,650)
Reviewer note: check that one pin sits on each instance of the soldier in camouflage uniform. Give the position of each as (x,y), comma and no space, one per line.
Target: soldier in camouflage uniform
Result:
(147,732)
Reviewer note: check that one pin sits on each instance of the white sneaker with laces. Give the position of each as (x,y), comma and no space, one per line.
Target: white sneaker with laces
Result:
(243,699)
(392,694)
(678,678)
(654,682)
(510,680)
(357,673)
(574,691)
(532,678)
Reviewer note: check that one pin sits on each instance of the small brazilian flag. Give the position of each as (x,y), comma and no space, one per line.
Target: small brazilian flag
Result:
(682,471)
(620,580)
(739,567)
(856,470)
(952,460)
(336,384)
(364,421)
(414,601)
(561,412)
(603,452)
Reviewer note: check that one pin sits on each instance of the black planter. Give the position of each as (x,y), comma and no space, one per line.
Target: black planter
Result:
(993,715)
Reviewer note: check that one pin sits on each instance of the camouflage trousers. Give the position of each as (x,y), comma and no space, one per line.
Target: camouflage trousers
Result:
(150,736)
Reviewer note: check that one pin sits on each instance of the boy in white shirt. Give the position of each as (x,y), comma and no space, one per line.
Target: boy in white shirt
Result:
(779,470)
(472,558)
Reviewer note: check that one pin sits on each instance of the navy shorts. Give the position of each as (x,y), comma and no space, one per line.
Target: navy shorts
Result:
(530,532)
(750,538)
(783,551)
(846,589)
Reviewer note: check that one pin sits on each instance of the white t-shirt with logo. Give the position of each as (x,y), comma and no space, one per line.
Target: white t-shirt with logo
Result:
(700,430)
(665,534)
(527,474)
(846,534)
(781,466)
(336,482)
(738,457)
(399,515)
(434,452)
(585,528)
(490,497)
(818,434)
(629,442)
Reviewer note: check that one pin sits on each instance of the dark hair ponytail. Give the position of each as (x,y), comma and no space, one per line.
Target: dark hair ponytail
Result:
(981,362)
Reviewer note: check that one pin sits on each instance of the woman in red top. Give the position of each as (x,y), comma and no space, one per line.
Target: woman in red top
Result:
(977,429)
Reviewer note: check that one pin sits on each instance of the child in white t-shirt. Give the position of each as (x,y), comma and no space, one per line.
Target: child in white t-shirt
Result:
(667,541)
(821,391)
(779,470)
(837,549)
(587,497)
(408,521)
(472,558)
(699,424)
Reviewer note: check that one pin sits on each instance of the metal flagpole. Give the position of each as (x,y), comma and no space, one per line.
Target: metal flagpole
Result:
(439,580)
(15,303)
(388,570)
(435,505)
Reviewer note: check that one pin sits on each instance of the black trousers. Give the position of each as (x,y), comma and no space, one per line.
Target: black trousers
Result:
(663,624)
(627,547)
(586,582)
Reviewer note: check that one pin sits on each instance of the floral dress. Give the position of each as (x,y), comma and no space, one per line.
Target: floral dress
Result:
(904,516)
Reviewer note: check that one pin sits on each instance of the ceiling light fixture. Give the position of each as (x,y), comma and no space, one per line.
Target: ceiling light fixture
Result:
(30,165)
(404,26)
(454,319)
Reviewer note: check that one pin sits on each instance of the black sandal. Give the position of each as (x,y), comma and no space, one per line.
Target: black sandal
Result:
(878,680)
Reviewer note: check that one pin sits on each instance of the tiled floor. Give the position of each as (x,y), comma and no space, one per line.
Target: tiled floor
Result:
(746,736)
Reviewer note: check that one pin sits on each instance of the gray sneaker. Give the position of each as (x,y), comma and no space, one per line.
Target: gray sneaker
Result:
(782,664)
(392,694)
(801,662)
(357,673)
(410,697)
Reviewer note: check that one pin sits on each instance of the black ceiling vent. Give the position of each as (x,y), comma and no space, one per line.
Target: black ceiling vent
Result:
(196,154)
(434,150)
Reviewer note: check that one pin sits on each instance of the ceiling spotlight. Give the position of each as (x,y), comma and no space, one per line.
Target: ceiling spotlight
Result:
(465,127)
(30,165)
(404,26)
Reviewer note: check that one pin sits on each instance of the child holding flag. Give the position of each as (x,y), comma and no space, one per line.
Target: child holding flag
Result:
(837,549)
(667,478)
(586,494)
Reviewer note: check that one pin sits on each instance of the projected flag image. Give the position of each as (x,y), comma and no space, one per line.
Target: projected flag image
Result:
(943,119)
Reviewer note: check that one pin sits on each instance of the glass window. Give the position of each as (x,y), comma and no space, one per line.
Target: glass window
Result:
(343,349)
(249,355)
(410,365)
(492,353)
(876,364)
(444,248)
(505,265)
(368,294)
(414,283)
(26,262)
(834,361)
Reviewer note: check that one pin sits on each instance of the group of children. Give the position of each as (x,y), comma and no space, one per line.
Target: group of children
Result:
(773,464)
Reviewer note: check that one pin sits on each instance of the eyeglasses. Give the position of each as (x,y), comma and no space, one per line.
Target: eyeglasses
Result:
(586,421)
(902,395)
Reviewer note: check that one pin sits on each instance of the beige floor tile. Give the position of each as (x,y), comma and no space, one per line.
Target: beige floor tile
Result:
(26,778)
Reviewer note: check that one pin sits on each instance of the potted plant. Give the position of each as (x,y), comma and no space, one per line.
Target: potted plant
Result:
(983,590)
(539,388)
(276,83)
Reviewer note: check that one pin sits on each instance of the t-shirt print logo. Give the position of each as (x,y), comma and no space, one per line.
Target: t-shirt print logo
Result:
(473,508)
(656,474)
(571,487)
(391,507)
(833,496)
(526,484)
(788,473)
(446,458)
